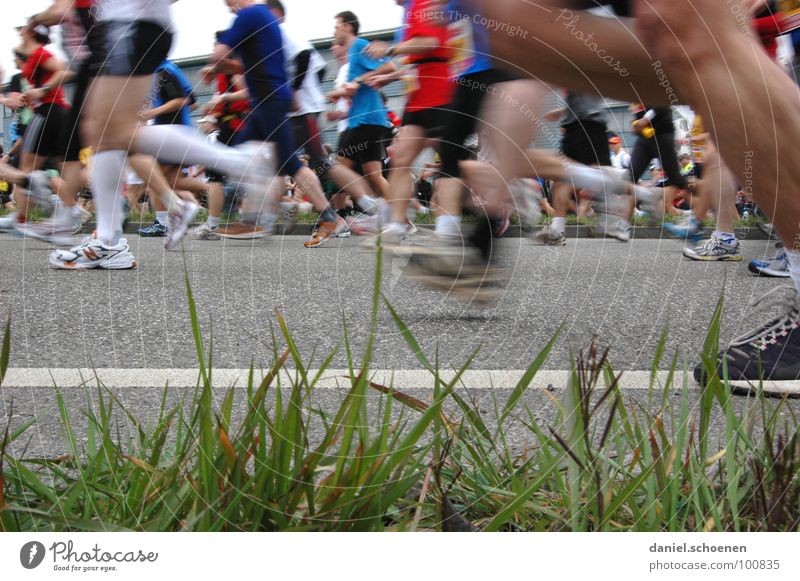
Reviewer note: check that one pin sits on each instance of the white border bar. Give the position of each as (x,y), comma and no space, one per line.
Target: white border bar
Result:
(67,378)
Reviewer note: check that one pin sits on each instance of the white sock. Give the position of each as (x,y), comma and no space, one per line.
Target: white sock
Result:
(181,145)
(448,225)
(161,218)
(794,268)
(213,221)
(63,214)
(386,213)
(367,203)
(727,237)
(558,226)
(624,224)
(108,183)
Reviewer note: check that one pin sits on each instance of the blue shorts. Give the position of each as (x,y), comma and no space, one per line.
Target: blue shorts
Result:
(268,121)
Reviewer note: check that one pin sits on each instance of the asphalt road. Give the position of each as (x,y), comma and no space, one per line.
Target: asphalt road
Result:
(624,294)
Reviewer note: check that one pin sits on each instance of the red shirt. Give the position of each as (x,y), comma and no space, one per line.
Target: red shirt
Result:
(38,76)
(232,113)
(84,3)
(434,86)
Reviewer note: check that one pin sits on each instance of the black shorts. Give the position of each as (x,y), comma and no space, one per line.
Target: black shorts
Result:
(364,144)
(462,116)
(698,170)
(47,133)
(75,142)
(587,143)
(431,120)
(131,49)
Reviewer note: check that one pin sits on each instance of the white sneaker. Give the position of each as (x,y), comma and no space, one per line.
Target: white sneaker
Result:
(178,221)
(51,230)
(7,222)
(94,254)
(204,232)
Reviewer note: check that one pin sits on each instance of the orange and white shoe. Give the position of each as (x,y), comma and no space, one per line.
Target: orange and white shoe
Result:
(92,253)
(325,231)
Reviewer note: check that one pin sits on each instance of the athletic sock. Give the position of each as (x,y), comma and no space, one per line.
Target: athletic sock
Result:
(213,221)
(161,218)
(328,215)
(794,268)
(725,237)
(448,225)
(179,145)
(559,225)
(108,181)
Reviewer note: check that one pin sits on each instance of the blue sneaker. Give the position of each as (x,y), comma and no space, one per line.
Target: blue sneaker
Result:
(777,266)
(154,230)
(688,228)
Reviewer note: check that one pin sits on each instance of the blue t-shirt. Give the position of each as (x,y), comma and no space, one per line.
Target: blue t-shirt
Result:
(367,105)
(256,38)
(460,12)
(170,83)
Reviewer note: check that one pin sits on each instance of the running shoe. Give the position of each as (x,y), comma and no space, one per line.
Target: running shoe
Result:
(154,230)
(768,359)
(768,229)
(204,232)
(618,230)
(40,190)
(714,249)
(549,238)
(53,231)
(242,231)
(777,266)
(92,253)
(179,219)
(688,228)
(364,225)
(7,222)
(445,263)
(324,232)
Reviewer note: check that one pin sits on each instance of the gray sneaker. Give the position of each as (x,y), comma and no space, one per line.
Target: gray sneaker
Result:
(714,249)
(549,238)
(617,230)
(204,232)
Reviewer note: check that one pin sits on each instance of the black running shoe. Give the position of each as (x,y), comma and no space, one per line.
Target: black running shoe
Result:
(154,230)
(767,359)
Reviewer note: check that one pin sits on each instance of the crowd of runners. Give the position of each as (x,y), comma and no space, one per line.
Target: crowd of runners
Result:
(475,88)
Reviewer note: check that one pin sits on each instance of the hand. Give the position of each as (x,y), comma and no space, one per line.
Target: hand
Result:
(215,102)
(147,114)
(378,81)
(33,95)
(351,89)
(295,104)
(336,115)
(207,74)
(377,49)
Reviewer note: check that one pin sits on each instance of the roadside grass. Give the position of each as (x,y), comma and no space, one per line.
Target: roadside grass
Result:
(385,460)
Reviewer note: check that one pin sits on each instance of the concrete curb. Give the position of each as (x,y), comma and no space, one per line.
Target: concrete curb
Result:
(641,232)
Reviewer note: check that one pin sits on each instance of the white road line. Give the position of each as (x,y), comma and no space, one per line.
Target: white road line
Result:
(66,378)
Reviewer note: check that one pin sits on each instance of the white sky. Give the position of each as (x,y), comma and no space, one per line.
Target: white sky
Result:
(197,20)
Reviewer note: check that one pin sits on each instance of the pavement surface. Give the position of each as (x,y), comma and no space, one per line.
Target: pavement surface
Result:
(136,324)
